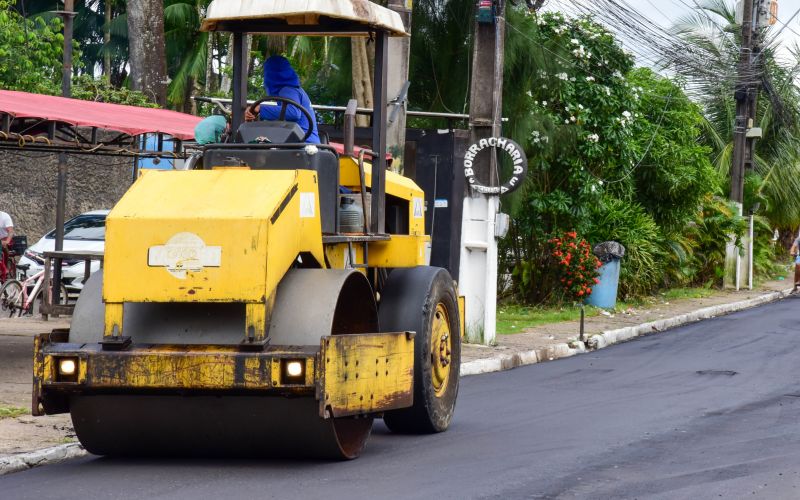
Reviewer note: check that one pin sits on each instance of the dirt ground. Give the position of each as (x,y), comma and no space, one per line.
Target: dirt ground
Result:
(25,432)
(22,432)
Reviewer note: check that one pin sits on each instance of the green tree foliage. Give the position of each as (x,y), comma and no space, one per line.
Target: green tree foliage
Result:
(675,170)
(101,90)
(441,55)
(187,48)
(579,120)
(30,51)
(614,154)
(34,62)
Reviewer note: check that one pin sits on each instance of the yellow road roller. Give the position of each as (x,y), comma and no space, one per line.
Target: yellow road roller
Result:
(271,300)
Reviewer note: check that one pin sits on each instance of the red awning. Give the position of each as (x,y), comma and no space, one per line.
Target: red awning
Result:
(130,120)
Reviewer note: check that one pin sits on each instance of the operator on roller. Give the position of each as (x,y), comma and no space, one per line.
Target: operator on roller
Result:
(6,234)
(281,80)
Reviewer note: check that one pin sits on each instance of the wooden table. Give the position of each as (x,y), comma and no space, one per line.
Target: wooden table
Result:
(55,258)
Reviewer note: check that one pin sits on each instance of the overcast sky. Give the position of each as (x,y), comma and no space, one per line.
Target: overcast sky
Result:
(668,12)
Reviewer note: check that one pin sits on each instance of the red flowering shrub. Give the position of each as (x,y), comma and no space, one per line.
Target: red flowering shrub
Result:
(577,265)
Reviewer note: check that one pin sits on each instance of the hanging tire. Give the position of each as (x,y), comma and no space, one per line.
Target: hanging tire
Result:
(424,300)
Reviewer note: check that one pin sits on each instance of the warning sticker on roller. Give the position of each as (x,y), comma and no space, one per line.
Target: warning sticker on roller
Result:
(419,208)
(182,253)
(308,204)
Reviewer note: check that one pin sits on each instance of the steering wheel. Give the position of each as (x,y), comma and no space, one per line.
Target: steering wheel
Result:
(285,103)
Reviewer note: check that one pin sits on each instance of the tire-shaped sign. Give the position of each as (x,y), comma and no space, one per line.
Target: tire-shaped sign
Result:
(512,149)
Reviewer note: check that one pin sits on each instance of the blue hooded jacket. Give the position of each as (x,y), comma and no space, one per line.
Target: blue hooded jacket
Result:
(281,80)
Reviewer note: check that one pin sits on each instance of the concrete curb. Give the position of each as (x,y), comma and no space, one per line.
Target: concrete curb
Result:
(501,362)
(24,461)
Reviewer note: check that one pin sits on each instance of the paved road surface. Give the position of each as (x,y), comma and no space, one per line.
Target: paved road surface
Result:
(711,410)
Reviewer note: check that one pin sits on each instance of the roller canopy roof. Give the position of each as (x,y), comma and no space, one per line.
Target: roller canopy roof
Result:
(131,120)
(317,17)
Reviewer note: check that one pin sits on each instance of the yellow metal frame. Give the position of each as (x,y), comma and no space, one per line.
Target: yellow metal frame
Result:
(396,185)
(255,222)
(349,374)
(260,222)
(366,373)
(462,315)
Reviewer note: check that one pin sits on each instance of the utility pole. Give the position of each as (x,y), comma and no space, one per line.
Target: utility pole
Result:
(744,95)
(478,269)
(397,86)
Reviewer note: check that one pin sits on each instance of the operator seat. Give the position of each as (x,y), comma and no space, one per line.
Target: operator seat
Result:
(274,132)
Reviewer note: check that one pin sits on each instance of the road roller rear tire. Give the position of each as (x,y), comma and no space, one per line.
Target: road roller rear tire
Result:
(424,300)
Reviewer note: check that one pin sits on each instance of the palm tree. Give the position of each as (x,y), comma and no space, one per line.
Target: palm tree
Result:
(713,39)
(187,49)
(441,53)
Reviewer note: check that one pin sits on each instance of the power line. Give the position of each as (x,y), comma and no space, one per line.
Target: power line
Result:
(570,62)
(667,48)
(562,58)
(701,68)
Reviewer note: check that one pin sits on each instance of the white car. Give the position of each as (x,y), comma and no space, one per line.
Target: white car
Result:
(84,232)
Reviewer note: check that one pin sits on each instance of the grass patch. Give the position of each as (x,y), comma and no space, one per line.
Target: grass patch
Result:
(515,319)
(12,411)
(686,293)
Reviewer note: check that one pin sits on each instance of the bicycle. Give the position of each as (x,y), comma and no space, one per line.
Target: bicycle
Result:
(10,263)
(10,254)
(15,299)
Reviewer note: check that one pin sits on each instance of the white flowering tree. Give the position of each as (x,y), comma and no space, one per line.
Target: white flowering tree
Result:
(589,123)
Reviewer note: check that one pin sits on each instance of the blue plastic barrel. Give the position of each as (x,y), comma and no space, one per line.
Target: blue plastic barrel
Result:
(604,294)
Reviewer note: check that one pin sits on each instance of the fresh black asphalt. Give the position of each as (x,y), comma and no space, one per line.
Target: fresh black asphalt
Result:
(710,410)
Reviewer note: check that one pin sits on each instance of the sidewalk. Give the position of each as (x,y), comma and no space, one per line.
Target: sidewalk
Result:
(557,340)
(21,434)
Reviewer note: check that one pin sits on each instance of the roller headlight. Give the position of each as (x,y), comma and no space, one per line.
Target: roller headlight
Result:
(294,368)
(67,367)
(293,371)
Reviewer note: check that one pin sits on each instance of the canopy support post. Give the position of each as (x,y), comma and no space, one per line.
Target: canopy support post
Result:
(240,57)
(378,189)
(61,202)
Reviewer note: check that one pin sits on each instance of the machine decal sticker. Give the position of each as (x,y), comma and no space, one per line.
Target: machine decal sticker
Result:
(419,210)
(308,204)
(184,252)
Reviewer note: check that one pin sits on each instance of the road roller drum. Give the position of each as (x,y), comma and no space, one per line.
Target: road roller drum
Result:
(137,422)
